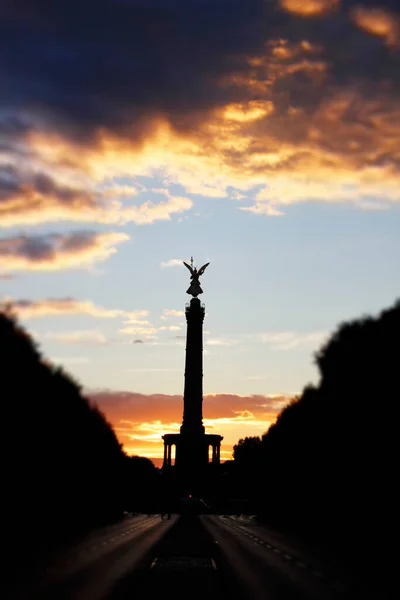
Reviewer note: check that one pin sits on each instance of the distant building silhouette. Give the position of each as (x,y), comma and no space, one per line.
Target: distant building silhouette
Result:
(192,443)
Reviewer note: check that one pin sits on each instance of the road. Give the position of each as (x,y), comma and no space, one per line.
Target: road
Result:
(89,569)
(267,565)
(207,557)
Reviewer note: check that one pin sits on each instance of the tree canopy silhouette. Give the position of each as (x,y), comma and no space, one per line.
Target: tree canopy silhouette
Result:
(329,464)
(63,469)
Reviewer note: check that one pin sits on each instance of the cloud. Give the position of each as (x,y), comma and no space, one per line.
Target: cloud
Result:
(287,340)
(172,312)
(34,309)
(220,342)
(28,197)
(274,102)
(378,22)
(136,321)
(263,209)
(148,332)
(88,336)
(309,8)
(149,212)
(55,251)
(170,328)
(140,420)
(133,322)
(173,262)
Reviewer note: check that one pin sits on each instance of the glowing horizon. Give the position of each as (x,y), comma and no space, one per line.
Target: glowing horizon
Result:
(134,418)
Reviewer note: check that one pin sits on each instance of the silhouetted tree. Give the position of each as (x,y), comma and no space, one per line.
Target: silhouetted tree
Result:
(142,485)
(244,482)
(247,451)
(330,461)
(62,467)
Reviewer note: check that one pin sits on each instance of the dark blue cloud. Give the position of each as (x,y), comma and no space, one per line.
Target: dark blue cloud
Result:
(80,66)
(103,63)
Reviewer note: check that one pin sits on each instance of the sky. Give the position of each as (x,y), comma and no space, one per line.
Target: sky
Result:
(260,136)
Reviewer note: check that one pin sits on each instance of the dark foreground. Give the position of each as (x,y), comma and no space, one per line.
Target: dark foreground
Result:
(187,557)
(182,566)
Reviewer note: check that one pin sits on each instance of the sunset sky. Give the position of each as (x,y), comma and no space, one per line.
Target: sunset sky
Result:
(262,136)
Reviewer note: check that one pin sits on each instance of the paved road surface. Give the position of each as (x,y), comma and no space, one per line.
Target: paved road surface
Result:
(90,569)
(208,557)
(267,566)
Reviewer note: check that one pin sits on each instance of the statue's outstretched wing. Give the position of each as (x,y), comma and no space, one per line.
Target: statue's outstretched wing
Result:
(188,266)
(202,269)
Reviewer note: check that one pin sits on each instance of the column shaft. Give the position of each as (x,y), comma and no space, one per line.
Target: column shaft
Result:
(193,392)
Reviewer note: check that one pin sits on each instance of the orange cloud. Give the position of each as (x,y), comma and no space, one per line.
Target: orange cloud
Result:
(248,112)
(65,190)
(378,22)
(344,150)
(140,420)
(57,251)
(33,309)
(309,8)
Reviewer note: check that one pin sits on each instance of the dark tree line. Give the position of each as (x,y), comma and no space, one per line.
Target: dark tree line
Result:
(62,468)
(328,468)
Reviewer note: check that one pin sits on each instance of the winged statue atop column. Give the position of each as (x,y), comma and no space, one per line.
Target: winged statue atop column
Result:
(195,289)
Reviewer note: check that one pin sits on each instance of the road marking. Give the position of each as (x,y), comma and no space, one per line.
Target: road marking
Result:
(299,563)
